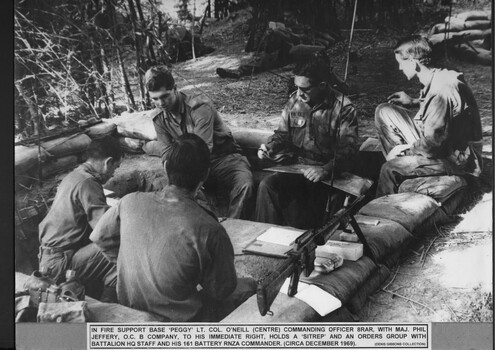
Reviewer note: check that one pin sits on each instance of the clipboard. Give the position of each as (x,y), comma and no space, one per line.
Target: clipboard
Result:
(346,182)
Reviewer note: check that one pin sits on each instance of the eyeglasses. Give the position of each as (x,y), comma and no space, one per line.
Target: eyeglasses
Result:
(305,89)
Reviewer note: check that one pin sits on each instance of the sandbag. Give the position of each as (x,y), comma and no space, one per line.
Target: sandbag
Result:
(474,15)
(153,148)
(408,209)
(345,281)
(106,127)
(439,188)
(384,238)
(59,165)
(26,157)
(454,19)
(250,138)
(480,56)
(483,43)
(459,26)
(477,43)
(370,287)
(471,34)
(136,125)
(132,145)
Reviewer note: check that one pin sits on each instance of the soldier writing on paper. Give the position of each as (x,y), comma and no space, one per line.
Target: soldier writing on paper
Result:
(442,138)
(78,206)
(307,134)
(173,257)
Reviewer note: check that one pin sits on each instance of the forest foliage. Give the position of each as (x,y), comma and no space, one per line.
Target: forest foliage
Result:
(80,60)
(71,58)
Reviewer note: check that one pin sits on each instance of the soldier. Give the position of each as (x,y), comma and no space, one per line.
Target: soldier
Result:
(442,138)
(173,257)
(177,114)
(307,134)
(78,206)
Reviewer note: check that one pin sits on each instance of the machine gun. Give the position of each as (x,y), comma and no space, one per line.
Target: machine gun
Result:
(301,257)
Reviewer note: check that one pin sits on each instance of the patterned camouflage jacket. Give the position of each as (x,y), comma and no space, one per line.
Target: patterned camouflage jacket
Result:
(311,133)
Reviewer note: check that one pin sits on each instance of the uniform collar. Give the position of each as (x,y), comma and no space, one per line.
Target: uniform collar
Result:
(178,192)
(172,191)
(328,101)
(182,107)
(182,102)
(90,169)
(427,87)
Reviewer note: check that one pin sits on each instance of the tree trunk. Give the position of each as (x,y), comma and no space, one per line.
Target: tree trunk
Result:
(107,78)
(125,80)
(192,31)
(203,20)
(138,52)
(140,11)
(33,112)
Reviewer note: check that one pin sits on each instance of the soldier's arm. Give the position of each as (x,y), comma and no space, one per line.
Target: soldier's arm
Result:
(106,234)
(348,140)
(280,139)
(163,136)
(437,116)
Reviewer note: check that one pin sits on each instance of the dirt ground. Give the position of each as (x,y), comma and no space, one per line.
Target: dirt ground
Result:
(447,275)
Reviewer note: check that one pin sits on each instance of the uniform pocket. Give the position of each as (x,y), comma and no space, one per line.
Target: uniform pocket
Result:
(297,120)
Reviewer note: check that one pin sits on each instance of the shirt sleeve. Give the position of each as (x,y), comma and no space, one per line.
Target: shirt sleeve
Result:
(436,117)
(204,117)
(106,234)
(163,136)
(281,138)
(93,200)
(220,278)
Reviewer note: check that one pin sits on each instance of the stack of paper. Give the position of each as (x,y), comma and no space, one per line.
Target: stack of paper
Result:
(276,241)
(279,235)
(347,250)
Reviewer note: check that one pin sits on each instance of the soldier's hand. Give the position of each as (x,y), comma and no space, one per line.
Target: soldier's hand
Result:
(400,98)
(315,174)
(262,152)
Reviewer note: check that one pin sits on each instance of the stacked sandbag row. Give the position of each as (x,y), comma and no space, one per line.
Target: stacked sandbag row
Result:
(55,155)
(468,33)
(137,135)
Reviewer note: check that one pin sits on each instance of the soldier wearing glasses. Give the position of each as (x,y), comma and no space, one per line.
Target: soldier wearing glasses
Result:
(316,120)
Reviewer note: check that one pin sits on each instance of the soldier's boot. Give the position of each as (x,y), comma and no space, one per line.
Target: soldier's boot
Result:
(228,73)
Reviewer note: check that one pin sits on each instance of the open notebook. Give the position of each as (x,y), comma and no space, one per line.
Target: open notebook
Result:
(276,241)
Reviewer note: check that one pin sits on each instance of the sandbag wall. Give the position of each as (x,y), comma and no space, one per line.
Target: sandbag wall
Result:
(137,134)
(56,155)
(469,34)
